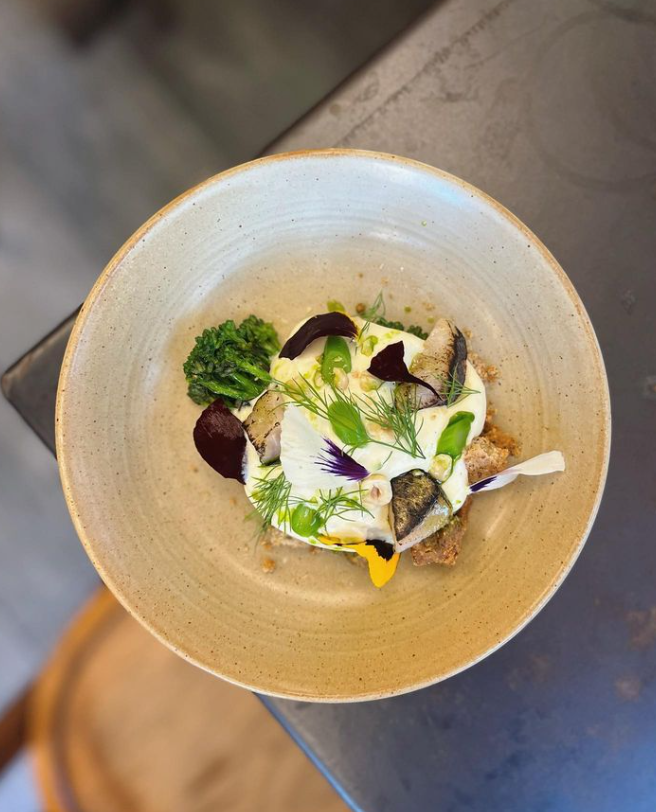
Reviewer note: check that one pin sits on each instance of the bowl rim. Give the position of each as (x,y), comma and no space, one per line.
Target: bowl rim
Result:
(326,153)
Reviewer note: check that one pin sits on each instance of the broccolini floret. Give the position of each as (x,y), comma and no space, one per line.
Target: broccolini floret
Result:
(415,329)
(231,362)
(376,313)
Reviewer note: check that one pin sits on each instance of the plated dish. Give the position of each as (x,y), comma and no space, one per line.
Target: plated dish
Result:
(356,435)
(279,238)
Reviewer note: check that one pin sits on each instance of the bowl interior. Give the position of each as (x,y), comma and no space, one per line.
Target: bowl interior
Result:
(278,238)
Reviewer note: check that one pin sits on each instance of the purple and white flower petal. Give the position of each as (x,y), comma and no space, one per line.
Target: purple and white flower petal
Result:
(333,460)
(301,445)
(548,463)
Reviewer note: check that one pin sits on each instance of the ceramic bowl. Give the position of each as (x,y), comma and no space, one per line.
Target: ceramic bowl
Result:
(279,237)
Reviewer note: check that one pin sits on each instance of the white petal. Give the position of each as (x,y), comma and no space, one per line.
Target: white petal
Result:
(547,463)
(300,446)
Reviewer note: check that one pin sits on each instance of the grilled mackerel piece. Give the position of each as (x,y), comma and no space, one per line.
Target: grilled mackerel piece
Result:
(418,508)
(263,425)
(442,362)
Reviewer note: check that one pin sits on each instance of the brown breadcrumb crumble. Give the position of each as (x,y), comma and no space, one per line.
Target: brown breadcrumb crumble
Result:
(443,547)
(489,372)
(483,458)
(502,439)
(268,565)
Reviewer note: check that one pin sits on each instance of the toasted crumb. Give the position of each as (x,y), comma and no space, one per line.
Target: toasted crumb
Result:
(360,308)
(502,439)
(443,547)
(467,333)
(488,372)
(268,565)
(483,458)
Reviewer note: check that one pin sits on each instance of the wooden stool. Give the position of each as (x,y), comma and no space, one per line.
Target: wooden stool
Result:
(121,724)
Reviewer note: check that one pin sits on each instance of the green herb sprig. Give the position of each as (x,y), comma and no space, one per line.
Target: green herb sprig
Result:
(346,414)
(308,518)
(271,496)
(272,499)
(454,390)
(402,419)
(340,411)
(340,502)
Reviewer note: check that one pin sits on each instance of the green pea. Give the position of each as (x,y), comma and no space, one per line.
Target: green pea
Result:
(305,521)
(368,345)
(336,355)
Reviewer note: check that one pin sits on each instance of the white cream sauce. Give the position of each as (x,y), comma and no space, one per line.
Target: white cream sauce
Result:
(303,438)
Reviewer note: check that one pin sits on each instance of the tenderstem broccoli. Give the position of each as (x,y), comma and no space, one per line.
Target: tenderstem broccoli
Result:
(231,362)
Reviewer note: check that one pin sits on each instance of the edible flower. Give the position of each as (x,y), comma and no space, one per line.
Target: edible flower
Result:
(548,463)
(379,555)
(335,461)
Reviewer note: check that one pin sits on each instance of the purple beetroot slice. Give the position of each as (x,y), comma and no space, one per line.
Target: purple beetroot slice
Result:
(388,365)
(220,440)
(326,324)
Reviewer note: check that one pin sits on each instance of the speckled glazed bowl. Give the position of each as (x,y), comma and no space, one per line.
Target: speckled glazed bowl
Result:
(278,237)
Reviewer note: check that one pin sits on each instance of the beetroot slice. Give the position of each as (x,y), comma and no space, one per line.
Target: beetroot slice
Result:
(326,324)
(388,365)
(220,440)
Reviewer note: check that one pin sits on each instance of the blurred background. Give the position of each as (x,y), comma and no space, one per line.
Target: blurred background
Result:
(108,109)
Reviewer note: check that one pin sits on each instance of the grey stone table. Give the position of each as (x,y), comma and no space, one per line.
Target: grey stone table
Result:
(551,108)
